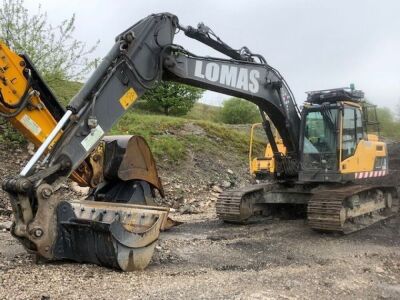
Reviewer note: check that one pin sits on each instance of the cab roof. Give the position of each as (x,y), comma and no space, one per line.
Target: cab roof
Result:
(334,95)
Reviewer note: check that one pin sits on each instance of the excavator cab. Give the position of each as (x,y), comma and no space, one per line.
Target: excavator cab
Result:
(335,144)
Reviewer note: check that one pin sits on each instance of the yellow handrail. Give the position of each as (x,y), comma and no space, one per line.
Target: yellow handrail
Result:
(251,145)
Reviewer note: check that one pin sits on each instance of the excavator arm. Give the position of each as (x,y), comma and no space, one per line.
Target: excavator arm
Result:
(256,82)
(29,105)
(142,56)
(124,235)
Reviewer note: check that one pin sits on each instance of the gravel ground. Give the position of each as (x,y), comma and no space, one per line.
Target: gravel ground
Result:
(204,258)
(207,259)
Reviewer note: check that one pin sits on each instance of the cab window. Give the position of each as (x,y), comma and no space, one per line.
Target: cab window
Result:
(320,132)
(320,139)
(349,138)
(360,127)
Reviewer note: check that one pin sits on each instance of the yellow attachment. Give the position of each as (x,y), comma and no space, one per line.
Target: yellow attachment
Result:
(265,164)
(12,80)
(35,122)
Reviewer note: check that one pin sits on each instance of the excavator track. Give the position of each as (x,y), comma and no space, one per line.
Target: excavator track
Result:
(349,209)
(236,206)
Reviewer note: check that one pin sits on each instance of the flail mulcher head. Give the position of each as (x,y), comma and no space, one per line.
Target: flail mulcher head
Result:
(115,235)
(117,228)
(119,236)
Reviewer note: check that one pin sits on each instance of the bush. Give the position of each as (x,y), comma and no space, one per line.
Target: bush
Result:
(10,135)
(171,98)
(238,111)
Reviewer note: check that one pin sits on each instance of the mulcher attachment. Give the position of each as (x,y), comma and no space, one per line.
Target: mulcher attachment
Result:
(119,229)
(115,235)
(121,236)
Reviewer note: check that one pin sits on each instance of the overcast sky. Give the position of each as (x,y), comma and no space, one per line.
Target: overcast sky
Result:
(314,44)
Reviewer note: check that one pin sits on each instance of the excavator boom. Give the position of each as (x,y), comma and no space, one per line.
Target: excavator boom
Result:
(119,169)
(75,145)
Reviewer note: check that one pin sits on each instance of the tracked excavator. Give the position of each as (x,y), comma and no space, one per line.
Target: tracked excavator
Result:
(342,168)
(118,227)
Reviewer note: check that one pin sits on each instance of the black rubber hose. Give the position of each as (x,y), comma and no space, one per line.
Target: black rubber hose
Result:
(21,104)
(15,106)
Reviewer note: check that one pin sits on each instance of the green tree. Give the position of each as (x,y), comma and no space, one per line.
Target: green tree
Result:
(171,98)
(61,59)
(55,52)
(238,111)
(389,127)
(398,110)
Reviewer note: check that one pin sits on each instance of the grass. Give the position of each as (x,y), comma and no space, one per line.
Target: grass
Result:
(169,140)
(163,133)
(64,90)
(201,111)
(159,130)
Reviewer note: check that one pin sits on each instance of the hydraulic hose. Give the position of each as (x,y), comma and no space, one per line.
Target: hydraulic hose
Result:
(21,104)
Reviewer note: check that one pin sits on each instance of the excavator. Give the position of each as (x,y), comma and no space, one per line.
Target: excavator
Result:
(342,166)
(318,164)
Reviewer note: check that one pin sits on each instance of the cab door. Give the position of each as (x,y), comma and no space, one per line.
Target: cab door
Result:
(359,157)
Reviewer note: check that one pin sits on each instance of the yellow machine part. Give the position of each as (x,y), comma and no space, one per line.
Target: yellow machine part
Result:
(367,153)
(265,164)
(35,122)
(365,156)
